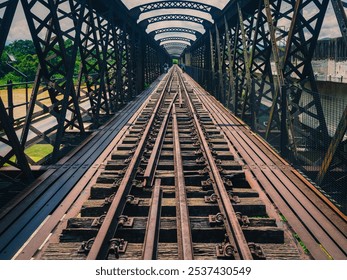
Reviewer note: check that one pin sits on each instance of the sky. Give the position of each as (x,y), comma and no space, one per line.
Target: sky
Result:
(19,29)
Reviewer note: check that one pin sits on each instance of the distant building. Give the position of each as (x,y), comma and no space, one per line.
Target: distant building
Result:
(330,60)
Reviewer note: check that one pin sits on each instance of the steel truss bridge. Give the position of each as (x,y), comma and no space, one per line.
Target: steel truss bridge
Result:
(227,46)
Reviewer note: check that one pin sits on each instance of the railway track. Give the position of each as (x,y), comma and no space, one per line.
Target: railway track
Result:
(181,184)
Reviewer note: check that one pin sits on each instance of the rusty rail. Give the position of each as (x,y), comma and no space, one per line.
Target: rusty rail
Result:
(290,195)
(153,224)
(153,160)
(185,250)
(235,234)
(100,247)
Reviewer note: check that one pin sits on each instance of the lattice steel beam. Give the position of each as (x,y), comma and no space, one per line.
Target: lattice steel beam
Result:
(175,29)
(338,6)
(175,4)
(56,60)
(298,57)
(175,39)
(8,136)
(10,139)
(176,17)
(92,52)
(337,140)
(7,11)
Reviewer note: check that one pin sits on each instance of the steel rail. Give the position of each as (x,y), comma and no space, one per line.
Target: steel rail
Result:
(302,213)
(235,234)
(100,246)
(150,247)
(184,236)
(153,160)
(32,245)
(325,232)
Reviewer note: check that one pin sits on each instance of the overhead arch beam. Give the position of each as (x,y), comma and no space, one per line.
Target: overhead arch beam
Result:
(176,44)
(176,47)
(175,24)
(177,18)
(174,50)
(166,35)
(131,4)
(174,14)
(175,4)
(175,39)
(163,43)
(175,29)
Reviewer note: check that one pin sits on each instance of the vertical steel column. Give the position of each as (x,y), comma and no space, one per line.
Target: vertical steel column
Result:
(219,59)
(261,74)
(277,94)
(341,17)
(298,56)
(111,63)
(333,147)
(139,60)
(230,66)
(211,56)
(245,49)
(126,64)
(16,150)
(8,9)
(92,51)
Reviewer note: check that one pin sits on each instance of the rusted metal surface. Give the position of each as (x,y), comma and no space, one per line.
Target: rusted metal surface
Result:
(236,236)
(309,220)
(185,250)
(153,224)
(207,200)
(99,249)
(30,209)
(153,160)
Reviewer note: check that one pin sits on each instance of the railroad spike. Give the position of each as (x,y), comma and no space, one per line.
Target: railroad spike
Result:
(257,251)
(125,221)
(225,251)
(227,182)
(130,199)
(117,246)
(108,200)
(243,219)
(216,220)
(212,198)
(98,221)
(207,185)
(86,246)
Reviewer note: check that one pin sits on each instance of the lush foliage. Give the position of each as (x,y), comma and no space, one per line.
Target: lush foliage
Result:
(25,62)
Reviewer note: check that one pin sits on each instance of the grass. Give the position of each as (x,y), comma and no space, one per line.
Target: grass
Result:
(283,218)
(304,248)
(37,152)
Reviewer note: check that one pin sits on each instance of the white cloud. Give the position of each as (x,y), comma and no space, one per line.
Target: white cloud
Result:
(19,28)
